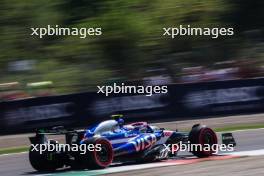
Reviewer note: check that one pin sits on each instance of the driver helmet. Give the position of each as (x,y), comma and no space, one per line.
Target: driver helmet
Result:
(120,122)
(118,119)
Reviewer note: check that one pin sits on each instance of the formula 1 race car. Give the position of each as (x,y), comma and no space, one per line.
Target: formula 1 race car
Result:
(135,142)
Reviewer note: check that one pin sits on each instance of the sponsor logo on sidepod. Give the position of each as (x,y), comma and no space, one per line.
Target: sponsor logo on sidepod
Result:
(144,142)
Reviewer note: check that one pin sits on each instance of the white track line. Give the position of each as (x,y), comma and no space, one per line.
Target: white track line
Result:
(247,153)
(138,167)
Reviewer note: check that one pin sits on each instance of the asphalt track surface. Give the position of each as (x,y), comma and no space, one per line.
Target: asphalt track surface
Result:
(247,140)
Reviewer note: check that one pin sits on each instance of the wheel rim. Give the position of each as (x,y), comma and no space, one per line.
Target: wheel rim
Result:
(207,136)
(104,157)
(209,139)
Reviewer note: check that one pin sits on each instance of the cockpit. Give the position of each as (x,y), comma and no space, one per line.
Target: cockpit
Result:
(117,126)
(106,126)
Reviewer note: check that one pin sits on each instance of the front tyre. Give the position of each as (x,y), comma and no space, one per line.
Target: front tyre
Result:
(206,139)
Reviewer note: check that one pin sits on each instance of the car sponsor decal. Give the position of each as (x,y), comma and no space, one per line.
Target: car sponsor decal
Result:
(144,142)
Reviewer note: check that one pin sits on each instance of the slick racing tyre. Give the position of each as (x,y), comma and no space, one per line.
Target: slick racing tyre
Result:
(46,161)
(206,138)
(98,159)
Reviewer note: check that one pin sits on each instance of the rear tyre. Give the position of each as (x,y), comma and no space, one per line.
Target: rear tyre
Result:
(47,161)
(205,137)
(98,159)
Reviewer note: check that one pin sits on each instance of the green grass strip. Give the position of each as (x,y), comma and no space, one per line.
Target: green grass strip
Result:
(14,150)
(239,127)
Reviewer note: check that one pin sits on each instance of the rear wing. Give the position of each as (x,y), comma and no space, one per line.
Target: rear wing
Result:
(58,130)
(41,134)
